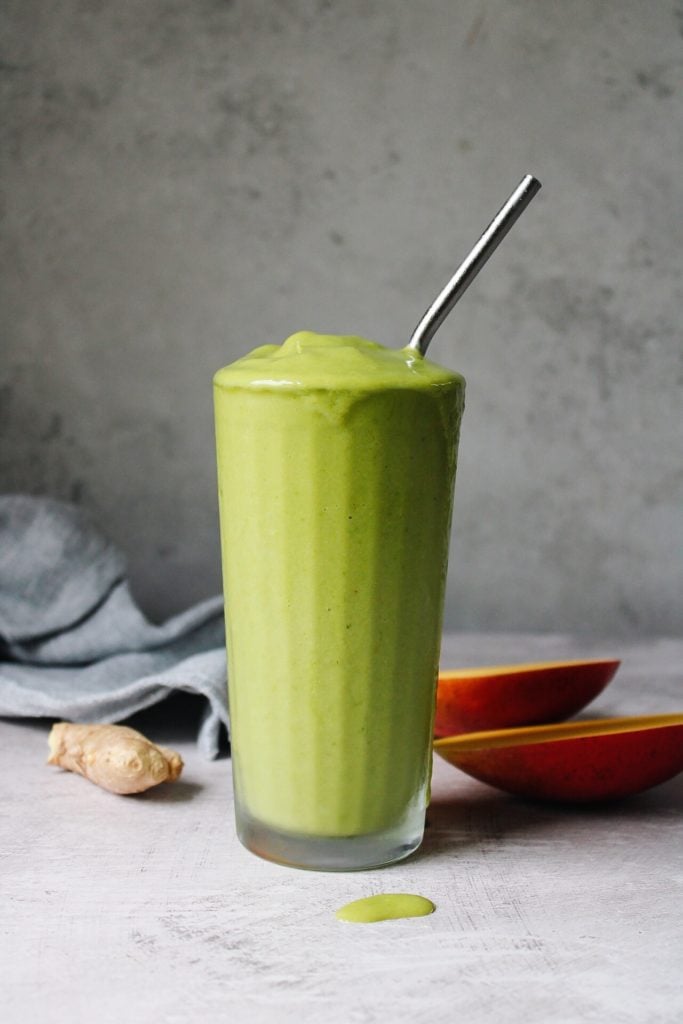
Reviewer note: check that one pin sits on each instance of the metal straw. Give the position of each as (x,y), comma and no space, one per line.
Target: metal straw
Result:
(472,264)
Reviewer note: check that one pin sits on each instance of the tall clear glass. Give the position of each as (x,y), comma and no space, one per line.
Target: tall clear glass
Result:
(336,464)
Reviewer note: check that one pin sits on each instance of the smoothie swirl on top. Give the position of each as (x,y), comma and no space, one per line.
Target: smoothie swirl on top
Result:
(329,361)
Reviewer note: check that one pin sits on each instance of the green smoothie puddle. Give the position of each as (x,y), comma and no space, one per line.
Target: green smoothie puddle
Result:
(385,907)
(338,455)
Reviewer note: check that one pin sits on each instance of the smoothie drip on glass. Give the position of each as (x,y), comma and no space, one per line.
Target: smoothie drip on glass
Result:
(336,462)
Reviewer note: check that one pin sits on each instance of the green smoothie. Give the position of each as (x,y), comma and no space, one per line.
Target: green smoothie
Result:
(336,463)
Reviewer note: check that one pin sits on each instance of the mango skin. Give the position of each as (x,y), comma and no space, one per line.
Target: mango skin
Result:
(579,770)
(502,697)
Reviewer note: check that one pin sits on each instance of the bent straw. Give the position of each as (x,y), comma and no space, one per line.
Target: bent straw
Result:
(472,264)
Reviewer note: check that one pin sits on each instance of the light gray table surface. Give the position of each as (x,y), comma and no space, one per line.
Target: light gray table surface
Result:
(147,909)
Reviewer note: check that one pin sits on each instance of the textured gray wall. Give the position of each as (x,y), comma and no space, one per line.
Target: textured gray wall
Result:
(185,179)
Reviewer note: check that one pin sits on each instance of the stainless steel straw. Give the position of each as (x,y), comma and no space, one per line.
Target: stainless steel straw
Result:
(472,264)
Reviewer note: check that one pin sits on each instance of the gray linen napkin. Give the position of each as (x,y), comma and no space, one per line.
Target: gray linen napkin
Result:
(73,643)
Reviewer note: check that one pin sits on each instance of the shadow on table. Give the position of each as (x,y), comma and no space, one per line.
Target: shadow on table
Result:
(471,814)
(173,720)
(179,793)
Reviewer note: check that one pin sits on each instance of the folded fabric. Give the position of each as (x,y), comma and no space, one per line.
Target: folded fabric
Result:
(73,642)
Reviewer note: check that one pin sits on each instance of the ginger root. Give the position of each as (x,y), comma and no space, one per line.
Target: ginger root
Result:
(115,757)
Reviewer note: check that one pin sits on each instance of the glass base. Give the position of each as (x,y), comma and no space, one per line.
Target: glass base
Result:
(325,853)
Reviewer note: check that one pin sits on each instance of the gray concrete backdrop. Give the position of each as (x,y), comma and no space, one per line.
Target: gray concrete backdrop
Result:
(185,179)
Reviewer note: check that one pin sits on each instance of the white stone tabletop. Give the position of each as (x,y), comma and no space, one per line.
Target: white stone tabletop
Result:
(147,909)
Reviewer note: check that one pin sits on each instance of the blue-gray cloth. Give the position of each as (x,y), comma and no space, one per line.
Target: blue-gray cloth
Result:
(73,643)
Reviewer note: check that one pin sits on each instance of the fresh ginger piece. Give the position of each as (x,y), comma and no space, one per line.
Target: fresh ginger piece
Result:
(114,757)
